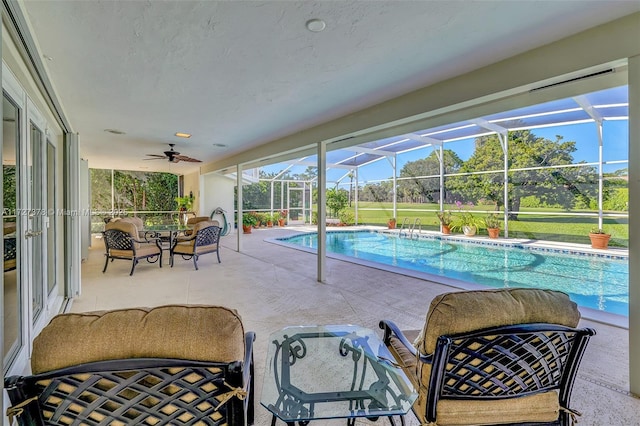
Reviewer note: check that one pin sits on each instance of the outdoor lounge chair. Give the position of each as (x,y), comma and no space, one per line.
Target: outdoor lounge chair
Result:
(121,242)
(506,356)
(169,365)
(204,239)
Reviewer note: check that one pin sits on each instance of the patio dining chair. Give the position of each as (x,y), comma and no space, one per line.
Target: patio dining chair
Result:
(121,240)
(191,223)
(168,365)
(488,357)
(204,239)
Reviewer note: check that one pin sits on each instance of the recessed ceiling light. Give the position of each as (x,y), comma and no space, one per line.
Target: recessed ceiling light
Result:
(219,145)
(316,25)
(183,135)
(115,131)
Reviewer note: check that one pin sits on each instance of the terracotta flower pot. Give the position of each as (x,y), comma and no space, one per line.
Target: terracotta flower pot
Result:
(246,229)
(281,222)
(446,229)
(391,224)
(599,241)
(493,232)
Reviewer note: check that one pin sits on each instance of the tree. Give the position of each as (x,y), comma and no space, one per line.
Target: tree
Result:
(415,187)
(566,186)
(100,190)
(337,199)
(139,191)
(377,192)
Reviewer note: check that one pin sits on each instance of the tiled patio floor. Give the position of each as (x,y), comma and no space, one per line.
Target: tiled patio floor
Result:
(273,286)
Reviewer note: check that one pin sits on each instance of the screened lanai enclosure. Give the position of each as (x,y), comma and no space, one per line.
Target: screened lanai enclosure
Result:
(553,171)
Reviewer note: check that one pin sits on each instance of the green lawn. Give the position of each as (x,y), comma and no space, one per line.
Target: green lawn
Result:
(538,226)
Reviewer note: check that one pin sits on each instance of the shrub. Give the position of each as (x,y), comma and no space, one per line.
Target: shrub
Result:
(346,217)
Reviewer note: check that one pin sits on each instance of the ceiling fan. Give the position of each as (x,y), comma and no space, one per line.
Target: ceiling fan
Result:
(173,156)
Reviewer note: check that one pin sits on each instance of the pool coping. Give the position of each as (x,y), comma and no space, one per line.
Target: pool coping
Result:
(616,320)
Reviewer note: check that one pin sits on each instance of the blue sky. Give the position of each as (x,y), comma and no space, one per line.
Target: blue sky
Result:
(615,143)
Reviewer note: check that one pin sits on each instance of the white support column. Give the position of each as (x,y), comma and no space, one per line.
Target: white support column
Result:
(304,202)
(355,194)
(239,207)
(600,174)
(634,225)
(394,162)
(72,237)
(440,154)
(271,200)
(113,195)
(322,211)
(281,195)
(504,141)
(288,202)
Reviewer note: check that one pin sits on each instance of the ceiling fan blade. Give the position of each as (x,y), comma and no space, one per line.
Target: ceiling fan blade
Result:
(156,155)
(156,158)
(187,159)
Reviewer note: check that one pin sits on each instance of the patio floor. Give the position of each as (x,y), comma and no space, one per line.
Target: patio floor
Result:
(273,286)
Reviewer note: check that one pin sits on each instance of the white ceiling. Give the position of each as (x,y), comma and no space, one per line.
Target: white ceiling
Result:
(243,73)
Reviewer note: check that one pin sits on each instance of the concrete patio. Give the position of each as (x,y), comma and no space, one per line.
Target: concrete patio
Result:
(273,286)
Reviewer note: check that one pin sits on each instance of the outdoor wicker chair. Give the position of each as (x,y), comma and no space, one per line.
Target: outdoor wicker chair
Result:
(204,239)
(169,365)
(121,242)
(506,356)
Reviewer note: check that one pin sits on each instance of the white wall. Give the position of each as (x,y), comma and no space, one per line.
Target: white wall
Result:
(217,191)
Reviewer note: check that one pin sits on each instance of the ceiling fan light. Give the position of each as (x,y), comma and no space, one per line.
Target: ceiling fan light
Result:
(183,135)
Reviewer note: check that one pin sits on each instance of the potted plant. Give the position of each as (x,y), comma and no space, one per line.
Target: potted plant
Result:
(445,219)
(270,218)
(391,223)
(492,222)
(466,221)
(282,217)
(258,217)
(599,239)
(248,221)
(184,203)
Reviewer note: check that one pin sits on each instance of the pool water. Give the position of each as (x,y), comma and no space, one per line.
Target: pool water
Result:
(596,282)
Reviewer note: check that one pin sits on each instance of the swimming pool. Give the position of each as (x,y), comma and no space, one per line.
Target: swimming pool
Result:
(599,282)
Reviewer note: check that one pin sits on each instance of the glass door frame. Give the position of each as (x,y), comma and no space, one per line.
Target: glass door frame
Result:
(32,181)
(30,324)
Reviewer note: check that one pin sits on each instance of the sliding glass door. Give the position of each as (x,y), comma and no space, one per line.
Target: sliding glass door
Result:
(13,294)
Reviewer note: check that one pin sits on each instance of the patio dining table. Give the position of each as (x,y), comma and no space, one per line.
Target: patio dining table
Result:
(167,233)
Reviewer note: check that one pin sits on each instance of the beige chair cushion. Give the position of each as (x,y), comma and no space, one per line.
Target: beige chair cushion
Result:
(193,220)
(460,312)
(135,220)
(9,227)
(186,247)
(142,250)
(124,226)
(139,225)
(191,332)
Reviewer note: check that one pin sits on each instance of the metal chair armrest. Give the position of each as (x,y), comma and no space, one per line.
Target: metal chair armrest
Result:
(249,338)
(391,329)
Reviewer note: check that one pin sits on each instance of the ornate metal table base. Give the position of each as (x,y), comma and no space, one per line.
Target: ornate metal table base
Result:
(326,372)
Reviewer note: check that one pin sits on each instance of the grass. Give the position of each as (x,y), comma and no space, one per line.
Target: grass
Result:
(536,226)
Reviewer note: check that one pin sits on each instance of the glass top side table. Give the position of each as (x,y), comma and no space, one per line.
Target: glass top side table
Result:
(333,371)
